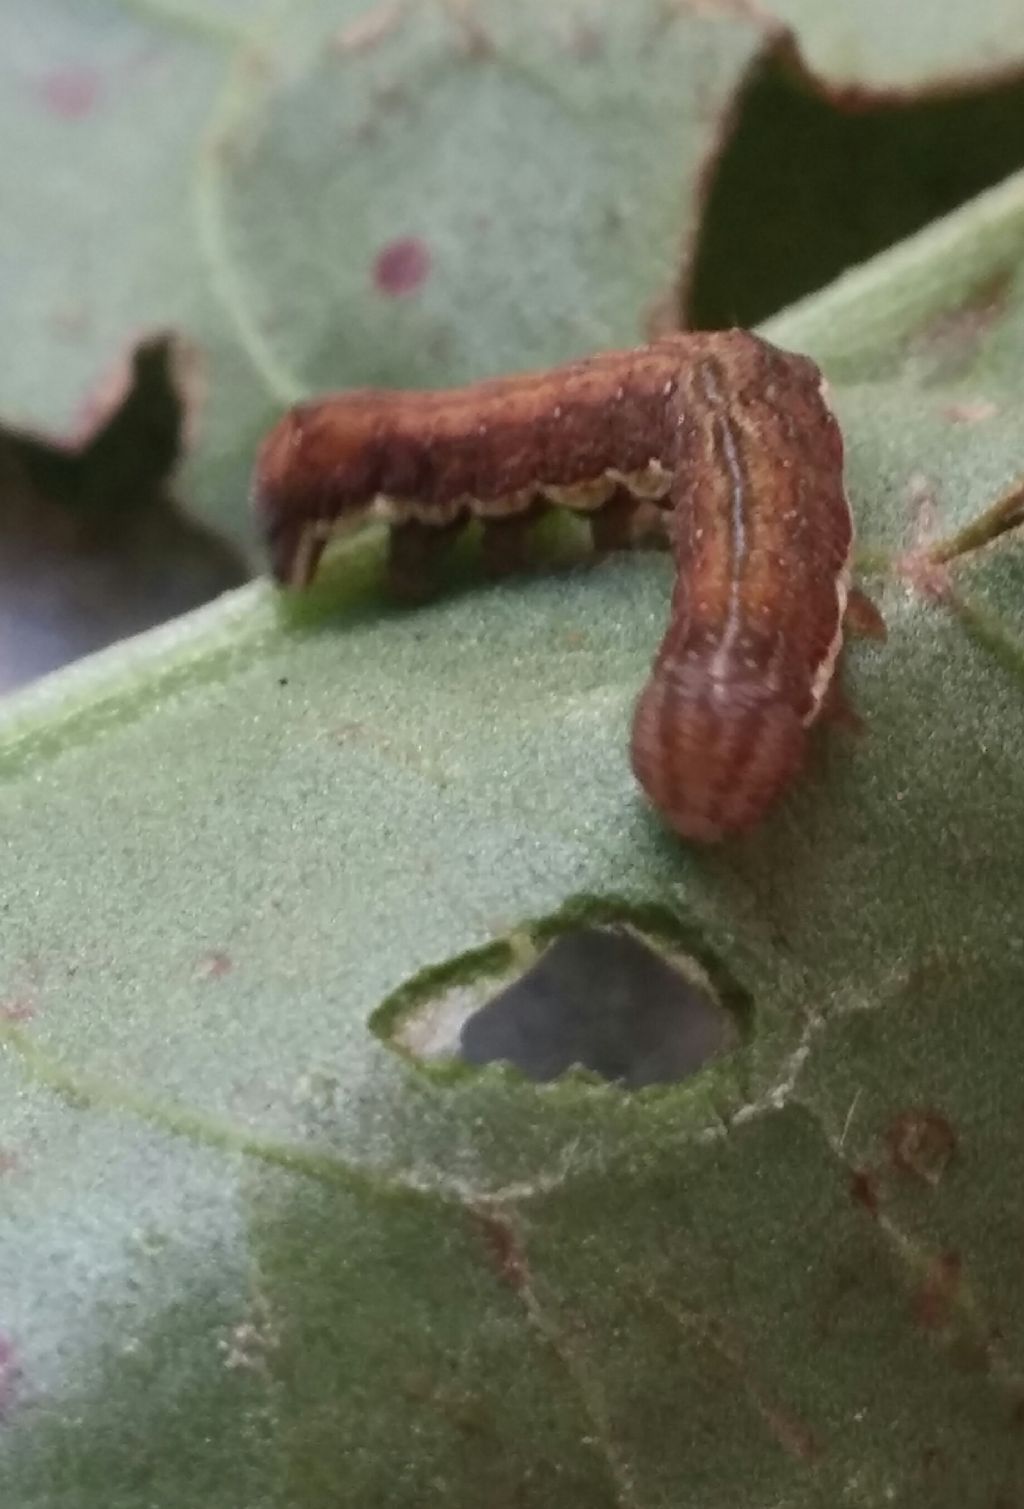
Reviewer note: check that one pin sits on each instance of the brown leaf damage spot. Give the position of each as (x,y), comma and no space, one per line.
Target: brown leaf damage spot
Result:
(917,567)
(938,1292)
(503,1247)
(796,1438)
(921,1143)
(367,31)
(69,93)
(970,411)
(585,41)
(952,339)
(475,42)
(401,266)
(214,965)
(791,1433)
(17,1009)
(864,1190)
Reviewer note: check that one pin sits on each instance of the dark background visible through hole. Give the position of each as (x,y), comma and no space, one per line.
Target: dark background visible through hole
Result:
(93,543)
(805,189)
(603,1000)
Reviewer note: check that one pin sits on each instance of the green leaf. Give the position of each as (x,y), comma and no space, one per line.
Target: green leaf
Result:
(252,1251)
(867,45)
(321,192)
(411,191)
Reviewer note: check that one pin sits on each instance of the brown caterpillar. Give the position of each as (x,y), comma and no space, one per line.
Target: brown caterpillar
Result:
(732,438)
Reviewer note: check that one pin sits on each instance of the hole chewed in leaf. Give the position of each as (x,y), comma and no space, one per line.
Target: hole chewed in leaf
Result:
(94,544)
(598,994)
(603,1001)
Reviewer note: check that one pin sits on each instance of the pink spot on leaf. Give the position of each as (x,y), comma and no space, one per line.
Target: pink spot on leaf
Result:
(401,266)
(214,965)
(70,92)
(16,1009)
(70,321)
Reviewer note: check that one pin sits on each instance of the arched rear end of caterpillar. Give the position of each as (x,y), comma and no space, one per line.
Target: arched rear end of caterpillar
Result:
(762,537)
(731,437)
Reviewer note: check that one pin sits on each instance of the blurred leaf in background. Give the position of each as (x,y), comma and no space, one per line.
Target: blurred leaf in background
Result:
(420,192)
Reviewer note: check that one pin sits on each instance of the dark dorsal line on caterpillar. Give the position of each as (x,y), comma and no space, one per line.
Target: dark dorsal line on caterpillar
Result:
(731,438)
